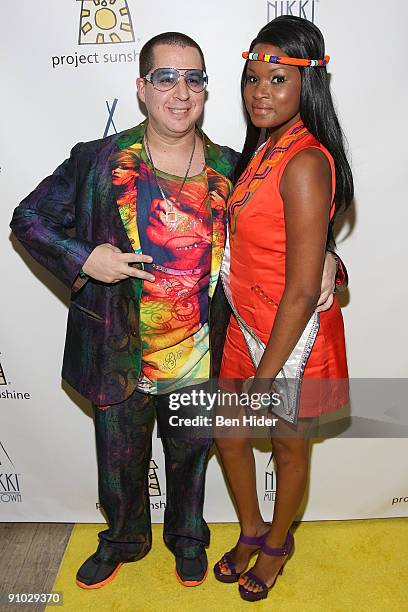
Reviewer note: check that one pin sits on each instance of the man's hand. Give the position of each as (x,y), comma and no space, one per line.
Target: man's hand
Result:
(328,283)
(108,264)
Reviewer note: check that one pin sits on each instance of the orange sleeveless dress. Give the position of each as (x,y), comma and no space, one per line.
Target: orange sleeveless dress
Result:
(257,278)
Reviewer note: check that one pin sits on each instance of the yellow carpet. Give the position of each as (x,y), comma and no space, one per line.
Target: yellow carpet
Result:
(337,566)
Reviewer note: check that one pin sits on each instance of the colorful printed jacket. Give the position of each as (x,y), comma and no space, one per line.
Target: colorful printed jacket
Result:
(60,223)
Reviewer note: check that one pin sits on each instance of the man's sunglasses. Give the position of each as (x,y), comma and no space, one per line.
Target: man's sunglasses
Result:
(165,79)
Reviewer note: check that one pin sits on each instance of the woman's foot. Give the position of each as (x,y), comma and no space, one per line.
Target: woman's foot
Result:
(268,566)
(236,560)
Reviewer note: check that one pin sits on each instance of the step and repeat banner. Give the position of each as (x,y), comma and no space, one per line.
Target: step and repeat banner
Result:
(68,71)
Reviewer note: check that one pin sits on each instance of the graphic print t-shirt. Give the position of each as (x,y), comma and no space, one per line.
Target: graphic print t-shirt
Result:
(186,248)
(174,309)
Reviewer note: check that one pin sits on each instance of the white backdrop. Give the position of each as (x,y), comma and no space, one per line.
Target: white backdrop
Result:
(58,86)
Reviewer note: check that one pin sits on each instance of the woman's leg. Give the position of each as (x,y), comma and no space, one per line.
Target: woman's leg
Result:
(292,452)
(239,466)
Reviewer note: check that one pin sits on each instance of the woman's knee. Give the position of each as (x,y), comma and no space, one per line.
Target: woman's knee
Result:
(228,444)
(289,451)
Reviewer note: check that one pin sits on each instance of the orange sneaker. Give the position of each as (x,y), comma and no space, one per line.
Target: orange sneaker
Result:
(94,574)
(192,572)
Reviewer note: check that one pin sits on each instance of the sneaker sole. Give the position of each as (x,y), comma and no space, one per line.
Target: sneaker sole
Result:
(191,583)
(98,585)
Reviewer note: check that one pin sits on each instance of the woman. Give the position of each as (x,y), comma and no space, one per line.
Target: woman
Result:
(281,218)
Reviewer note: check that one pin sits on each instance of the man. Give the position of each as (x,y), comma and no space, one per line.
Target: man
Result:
(148,207)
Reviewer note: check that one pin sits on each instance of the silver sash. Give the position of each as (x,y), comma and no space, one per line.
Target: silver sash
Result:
(288,381)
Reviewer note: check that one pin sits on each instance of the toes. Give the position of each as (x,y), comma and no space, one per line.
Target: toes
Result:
(247,583)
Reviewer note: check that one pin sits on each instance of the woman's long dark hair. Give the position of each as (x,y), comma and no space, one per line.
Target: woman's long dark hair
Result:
(298,37)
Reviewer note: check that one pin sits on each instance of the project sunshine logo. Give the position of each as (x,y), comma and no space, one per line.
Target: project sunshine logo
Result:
(101,22)
(3,380)
(155,490)
(154,487)
(105,22)
(7,390)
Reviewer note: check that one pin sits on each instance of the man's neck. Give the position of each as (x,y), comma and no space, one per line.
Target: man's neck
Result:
(169,143)
(171,154)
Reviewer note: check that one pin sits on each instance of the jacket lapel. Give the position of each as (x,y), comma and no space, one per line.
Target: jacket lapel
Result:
(220,189)
(126,159)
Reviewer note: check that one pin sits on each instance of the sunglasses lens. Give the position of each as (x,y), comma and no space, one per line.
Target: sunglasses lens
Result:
(164,78)
(196,79)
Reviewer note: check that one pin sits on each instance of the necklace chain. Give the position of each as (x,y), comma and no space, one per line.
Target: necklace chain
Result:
(171,214)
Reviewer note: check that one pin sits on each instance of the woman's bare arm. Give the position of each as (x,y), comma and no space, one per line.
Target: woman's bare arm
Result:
(306,192)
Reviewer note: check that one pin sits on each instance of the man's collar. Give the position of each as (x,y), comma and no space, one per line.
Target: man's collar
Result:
(214,155)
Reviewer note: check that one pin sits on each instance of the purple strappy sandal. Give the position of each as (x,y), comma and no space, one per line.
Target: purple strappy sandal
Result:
(284,551)
(227,558)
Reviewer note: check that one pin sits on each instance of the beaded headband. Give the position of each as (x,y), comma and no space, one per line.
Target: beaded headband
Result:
(290,61)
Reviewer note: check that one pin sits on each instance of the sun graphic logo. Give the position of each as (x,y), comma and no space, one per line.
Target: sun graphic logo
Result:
(3,380)
(154,485)
(105,22)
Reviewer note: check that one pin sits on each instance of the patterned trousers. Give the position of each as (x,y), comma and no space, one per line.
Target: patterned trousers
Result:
(123,443)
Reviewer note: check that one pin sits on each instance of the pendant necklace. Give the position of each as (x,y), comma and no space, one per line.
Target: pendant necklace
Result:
(171,215)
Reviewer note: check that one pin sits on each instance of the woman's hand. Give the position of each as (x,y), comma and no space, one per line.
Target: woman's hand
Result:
(260,390)
(328,283)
